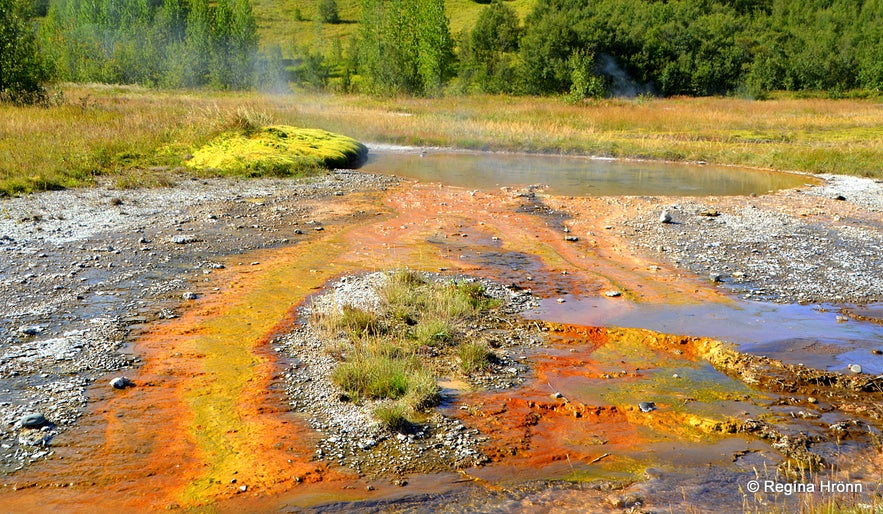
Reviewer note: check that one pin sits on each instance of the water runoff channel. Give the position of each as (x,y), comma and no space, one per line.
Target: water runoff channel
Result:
(816,336)
(784,331)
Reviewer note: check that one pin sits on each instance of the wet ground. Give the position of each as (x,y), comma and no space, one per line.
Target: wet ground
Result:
(644,385)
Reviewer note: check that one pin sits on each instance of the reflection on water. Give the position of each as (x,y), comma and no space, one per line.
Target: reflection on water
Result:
(797,334)
(572,175)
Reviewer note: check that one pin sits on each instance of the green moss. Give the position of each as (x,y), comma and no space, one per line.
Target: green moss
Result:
(277,150)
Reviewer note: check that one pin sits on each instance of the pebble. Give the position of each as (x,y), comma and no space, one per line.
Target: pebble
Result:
(665,217)
(612,294)
(121,383)
(647,406)
(855,368)
(190,295)
(30,330)
(185,239)
(34,420)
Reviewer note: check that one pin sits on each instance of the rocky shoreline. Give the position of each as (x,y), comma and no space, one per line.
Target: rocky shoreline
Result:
(819,244)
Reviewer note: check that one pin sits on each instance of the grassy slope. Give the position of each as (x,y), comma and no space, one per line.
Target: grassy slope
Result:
(277,26)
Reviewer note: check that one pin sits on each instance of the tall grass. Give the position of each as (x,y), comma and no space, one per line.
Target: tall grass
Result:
(109,131)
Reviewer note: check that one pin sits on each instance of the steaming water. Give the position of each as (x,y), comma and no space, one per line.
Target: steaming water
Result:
(573,175)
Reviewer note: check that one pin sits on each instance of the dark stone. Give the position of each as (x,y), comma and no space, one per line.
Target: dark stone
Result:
(34,420)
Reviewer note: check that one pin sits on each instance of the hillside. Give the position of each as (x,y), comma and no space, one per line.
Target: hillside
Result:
(277,23)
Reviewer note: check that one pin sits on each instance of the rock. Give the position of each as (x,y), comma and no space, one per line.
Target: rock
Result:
(665,217)
(34,420)
(812,399)
(711,213)
(190,295)
(121,383)
(715,277)
(30,330)
(612,294)
(557,395)
(647,406)
(855,368)
(185,239)
(571,238)
(560,300)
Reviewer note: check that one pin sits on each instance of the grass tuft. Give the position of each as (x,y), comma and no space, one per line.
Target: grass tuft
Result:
(385,355)
(474,357)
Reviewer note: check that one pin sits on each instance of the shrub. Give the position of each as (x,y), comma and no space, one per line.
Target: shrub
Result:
(22,71)
(328,12)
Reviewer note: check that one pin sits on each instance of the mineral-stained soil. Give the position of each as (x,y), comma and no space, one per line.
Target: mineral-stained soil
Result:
(149,284)
(80,270)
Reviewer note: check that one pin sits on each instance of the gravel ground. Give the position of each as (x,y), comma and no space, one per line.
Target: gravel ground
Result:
(820,244)
(350,435)
(80,269)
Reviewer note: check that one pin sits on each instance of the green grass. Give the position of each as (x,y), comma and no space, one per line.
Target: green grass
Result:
(394,354)
(474,357)
(277,24)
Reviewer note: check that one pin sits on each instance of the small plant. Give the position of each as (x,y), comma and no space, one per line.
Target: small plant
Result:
(384,354)
(395,416)
(432,332)
(474,356)
(374,375)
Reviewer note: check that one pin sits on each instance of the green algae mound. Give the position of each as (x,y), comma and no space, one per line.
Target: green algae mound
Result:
(277,150)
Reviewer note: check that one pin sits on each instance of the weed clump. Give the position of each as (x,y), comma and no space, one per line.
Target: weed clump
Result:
(393,354)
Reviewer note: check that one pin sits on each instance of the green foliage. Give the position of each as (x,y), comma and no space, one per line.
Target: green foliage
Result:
(405,46)
(328,12)
(487,52)
(177,43)
(707,47)
(584,83)
(22,70)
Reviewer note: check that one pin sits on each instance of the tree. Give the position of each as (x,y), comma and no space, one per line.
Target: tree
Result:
(328,12)
(405,46)
(22,70)
(487,53)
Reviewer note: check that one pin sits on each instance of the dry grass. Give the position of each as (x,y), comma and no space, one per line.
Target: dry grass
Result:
(814,135)
(112,130)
